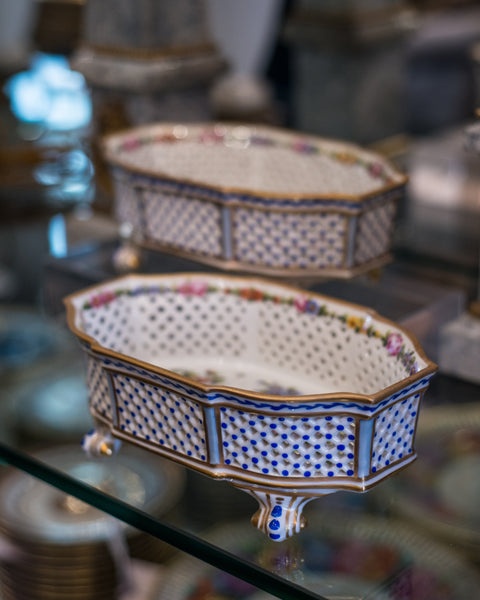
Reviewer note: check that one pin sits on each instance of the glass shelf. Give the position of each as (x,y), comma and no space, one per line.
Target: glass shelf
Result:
(182,539)
(376,545)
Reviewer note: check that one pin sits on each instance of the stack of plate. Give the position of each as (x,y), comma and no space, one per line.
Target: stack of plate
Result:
(65,548)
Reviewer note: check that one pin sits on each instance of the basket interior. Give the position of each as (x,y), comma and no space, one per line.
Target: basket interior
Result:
(259,161)
(262,339)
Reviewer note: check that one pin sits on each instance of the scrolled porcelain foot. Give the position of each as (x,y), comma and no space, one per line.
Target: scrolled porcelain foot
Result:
(279,516)
(128,256)
(100,442)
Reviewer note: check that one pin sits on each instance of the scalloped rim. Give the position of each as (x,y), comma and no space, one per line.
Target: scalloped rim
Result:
(72,300)
(110,143)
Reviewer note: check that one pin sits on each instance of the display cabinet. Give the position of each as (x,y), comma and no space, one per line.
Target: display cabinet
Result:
(379,544)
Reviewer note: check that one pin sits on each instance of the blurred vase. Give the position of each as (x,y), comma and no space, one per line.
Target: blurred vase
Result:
(16,18)
(349,64)
(145,61)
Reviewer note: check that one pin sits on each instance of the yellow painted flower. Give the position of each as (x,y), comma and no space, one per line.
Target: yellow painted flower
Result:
(346,158)
(355,322)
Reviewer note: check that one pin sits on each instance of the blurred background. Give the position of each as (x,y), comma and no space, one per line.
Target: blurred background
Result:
(399,77)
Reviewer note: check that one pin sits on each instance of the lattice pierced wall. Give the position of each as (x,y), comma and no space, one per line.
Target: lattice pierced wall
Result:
(277,239)
(156,326)
(99,390)
(288,446)
(373,236)
(127,203)
(175,324)
(184,223)
(373,367)
(394,433)
(327,349)
(111,325)
(160,416)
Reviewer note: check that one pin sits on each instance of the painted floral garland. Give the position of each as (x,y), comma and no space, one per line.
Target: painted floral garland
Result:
(213,136)
(392,341)
(211,377)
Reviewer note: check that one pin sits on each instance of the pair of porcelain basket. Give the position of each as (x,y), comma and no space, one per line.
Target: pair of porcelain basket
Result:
(287,394)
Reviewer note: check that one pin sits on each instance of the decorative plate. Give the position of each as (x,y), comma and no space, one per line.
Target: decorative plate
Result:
(52,406)
(287,394)
(29,344)
(338,556)
(34,511)
(441,491)
(255,199)
(26,339)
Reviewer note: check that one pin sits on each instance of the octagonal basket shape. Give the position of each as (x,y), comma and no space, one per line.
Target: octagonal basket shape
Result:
(287,394)
(255,199)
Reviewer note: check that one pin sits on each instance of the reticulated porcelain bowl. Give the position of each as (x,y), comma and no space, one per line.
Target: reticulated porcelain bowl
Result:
(255,199)
(287,394)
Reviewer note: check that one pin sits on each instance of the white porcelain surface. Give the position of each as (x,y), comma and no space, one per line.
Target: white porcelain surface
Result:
(242,157)
(255,198)
(287,394)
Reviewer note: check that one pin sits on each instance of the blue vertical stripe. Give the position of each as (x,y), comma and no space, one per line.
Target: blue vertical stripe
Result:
(211,433)
(365,447)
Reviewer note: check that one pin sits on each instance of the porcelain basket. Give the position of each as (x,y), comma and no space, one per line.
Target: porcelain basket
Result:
(287,394)
(255,199)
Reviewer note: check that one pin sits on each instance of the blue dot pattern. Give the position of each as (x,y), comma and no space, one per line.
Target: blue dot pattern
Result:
(373,233)
(289,446)
(186,223)
(302,240)
(99,390)
(160,416)
(394,433)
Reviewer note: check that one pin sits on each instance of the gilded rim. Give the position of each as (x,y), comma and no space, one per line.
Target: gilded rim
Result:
(109,141)
(429,369)
(135,53)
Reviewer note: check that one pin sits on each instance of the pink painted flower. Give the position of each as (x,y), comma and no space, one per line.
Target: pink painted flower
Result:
(131,144)
(101,299)
(193,288)
(304,147)
(375,169)
(394,343)
(209,136)
(301,303)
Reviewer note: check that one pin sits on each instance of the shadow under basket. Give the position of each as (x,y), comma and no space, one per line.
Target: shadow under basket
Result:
(287,394)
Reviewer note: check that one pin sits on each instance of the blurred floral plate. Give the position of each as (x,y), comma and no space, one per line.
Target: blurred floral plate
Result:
(53,405)
(28,342)
(441,492)
(340,557)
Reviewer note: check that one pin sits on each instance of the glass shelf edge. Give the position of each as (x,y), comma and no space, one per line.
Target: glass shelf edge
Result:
(188,543)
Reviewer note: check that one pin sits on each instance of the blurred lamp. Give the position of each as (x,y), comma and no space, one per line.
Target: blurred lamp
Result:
(50,94)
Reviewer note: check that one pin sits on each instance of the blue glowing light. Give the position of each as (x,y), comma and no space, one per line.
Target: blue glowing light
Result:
(50,94)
